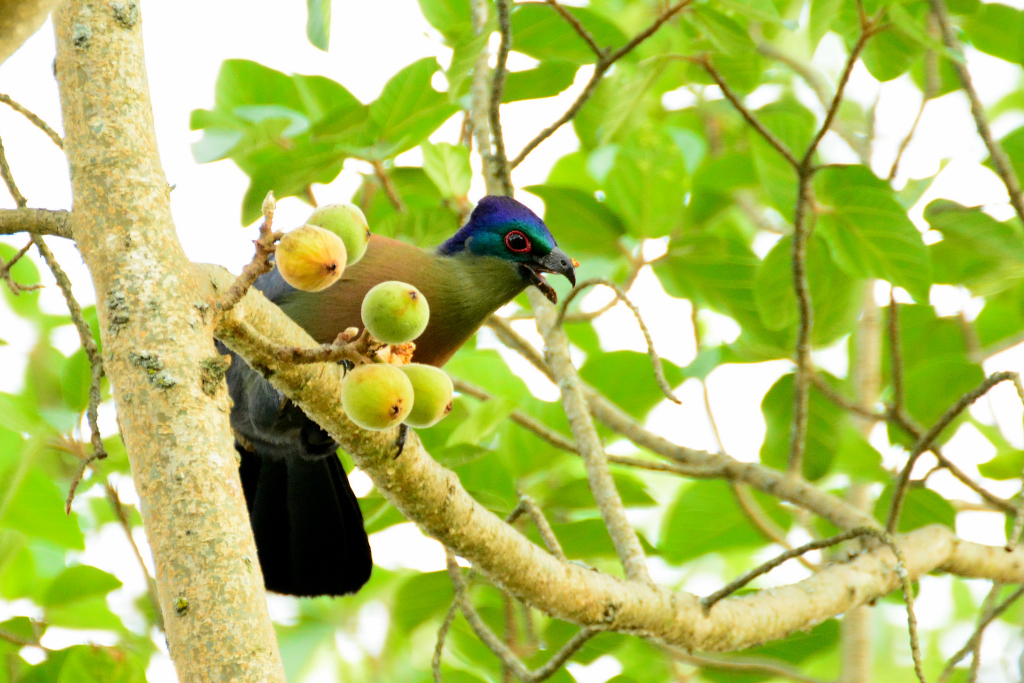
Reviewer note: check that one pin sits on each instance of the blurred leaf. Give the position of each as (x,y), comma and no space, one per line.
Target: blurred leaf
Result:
(890,53)
(1001,321)
(835,296)
(1004,466)
(453,18)
(857,458)
(482,422)
(997,30)
(88,664)
(627,378)
(646,185)
(542,34)
(79,582)
(547,79)
(583,225)
(586,539)
(921,507)
(706,518)
(577,494)
(823,13)
(421,597)
(935,384)
(825,425)
(24,272)
(976,250)
(868,232)
(90,613)
(76,380)
(32,504)
(318,23)
(795,649)
(725,34)
(448,166)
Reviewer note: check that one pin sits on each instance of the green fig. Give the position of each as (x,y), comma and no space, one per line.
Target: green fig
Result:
(310,258)
(376,396)
(347,222)
(432,390)
(395,312)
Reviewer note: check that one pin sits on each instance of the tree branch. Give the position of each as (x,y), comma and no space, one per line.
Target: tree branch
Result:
(38,221)
(999,160)
(35,120)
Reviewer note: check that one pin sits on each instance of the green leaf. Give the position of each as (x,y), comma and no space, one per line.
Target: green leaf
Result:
(795,649)
(823,13)
(547,79)
(825,424)
(1002,318)
(935,384)
(583,225)
(541,33)
(406,113)
(868,232)
(706,518)
(647,185)
(452,18)
(725,34)
(77,583)
(857,458)
(1013,145)
(91,613)
(890,53)
(24,272)
(482,422)
(33,505)
(577,494)
(1004,466)
(997,30)
(977,251)
(448,166)
(421,597)
(318,23)
(464,55)
(836,298)
(921,507)
(627,379)
(76,380)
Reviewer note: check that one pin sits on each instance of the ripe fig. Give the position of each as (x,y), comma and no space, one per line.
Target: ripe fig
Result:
(347,222)
(395,312)
(310,258)
(376,396)
(432,389)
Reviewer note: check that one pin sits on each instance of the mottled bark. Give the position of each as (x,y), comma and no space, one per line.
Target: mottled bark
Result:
(159,354)
(430,495)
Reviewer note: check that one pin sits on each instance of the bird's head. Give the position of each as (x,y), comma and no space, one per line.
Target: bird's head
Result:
(503,228)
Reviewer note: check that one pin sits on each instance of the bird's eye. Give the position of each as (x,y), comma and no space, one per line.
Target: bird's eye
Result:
(517,242)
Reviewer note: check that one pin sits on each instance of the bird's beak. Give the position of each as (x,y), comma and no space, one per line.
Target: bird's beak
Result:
(555,262)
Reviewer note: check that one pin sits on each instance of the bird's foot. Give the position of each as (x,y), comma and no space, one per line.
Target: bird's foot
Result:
(346,366)
(403,435)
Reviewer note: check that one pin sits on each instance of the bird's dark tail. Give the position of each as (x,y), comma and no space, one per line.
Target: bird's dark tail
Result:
(307,524)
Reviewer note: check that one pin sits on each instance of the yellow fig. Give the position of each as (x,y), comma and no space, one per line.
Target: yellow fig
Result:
(347,222)
(432,394)
(395,312)
(310,258)
(376,396)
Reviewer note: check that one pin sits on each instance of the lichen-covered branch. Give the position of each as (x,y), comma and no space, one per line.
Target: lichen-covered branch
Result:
(37,221)
(430,495)
(155,325)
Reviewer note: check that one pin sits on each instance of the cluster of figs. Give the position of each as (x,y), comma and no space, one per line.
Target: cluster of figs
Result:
(375,395)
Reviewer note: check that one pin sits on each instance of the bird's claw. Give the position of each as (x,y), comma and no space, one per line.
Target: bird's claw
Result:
(403,435)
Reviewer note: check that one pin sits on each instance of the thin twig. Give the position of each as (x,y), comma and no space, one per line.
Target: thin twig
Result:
(508,658)
(894,169)
(41,221)
(604,63)
(659,370)
(12,187)
(501,169)
(801,376)
(1002,165)
(925,442)
(442,634)
(744,666)
(709,601)
(122,516)
(978,631)
(6,275)
(765,524)
(260,263)
(389,187)
(580,29)
(36,121)
(705,62)
(547,534)
(95,363)
(895,354)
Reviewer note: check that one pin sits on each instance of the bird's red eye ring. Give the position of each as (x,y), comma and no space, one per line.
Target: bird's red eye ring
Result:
(517,242)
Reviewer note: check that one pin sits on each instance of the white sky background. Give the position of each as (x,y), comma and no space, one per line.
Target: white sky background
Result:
(187,40)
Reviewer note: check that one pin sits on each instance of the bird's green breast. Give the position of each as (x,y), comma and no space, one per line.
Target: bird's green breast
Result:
(461,290)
